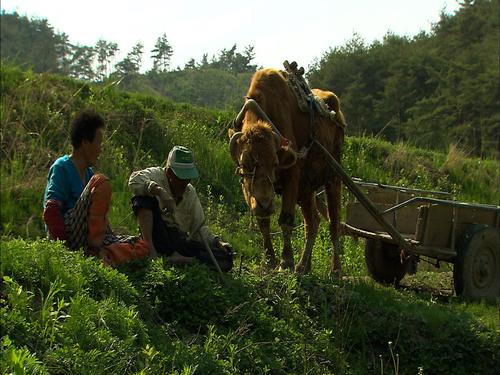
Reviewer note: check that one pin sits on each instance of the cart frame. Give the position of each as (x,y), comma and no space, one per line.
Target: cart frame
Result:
(472,242)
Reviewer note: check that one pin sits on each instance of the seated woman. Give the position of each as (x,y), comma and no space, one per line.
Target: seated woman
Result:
(77,201)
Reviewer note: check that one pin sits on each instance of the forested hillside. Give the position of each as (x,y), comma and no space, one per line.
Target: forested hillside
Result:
(219,81)
(29,43)
(431,90)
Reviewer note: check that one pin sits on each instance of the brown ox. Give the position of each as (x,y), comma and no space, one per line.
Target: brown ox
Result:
(269,161)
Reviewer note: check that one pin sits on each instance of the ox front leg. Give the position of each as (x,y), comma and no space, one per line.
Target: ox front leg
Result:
(311,223)
(333,196)
(286,223)
(287,216)
(269,256)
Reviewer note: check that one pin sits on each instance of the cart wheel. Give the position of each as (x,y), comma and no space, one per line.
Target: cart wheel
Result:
(476,272)
(383,261)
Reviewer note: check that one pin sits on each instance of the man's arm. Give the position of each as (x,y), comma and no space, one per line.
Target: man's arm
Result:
(139,182)
(145,182)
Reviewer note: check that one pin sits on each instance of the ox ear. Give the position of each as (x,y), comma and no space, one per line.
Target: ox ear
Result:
(287,157)
(233,145)
(230,132)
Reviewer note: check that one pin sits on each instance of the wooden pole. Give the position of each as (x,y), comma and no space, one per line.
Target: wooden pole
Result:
(209,250)
(370,207)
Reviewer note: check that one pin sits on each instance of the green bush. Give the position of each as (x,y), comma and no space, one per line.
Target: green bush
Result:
(69,314)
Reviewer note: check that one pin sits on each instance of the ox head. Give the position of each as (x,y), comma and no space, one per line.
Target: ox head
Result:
(259,154)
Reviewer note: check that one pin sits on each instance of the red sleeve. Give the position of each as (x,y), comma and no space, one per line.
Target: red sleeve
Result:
(53,217)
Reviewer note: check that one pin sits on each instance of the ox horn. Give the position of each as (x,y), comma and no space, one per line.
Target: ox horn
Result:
(277,140)
(239,118)
(232,145)
(252,103)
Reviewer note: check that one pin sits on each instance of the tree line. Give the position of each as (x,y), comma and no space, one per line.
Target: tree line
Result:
(432,90)
(219,81)
(33,43)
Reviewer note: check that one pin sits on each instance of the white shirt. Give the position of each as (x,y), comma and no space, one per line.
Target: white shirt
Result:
(187,214)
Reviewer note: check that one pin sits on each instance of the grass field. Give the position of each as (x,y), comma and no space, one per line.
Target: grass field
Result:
(62,313)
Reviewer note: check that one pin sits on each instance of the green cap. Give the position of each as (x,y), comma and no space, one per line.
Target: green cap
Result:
(181,161)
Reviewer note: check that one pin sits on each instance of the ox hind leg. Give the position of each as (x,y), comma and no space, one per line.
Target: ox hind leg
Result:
(333,197)
(311,223)
(269,256)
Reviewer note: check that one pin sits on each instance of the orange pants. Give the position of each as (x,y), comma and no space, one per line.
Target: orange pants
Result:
(111,251)
(121,252)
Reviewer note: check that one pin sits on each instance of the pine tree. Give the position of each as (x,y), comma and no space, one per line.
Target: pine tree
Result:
(204,62)
(81,64)
(105,53)
(190,65)
(161,54)
(64,53)
(131,64)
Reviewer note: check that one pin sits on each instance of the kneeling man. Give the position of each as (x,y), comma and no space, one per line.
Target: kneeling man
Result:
(170,215)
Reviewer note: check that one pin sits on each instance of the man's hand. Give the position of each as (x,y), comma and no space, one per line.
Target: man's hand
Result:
(167,203)
(224,246)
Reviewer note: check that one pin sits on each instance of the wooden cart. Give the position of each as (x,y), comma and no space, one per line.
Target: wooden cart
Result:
(401,225)
(426,225)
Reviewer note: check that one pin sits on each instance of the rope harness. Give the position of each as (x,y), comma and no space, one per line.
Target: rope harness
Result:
(307,101)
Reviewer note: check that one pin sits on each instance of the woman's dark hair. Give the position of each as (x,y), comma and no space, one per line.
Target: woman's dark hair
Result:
(84,127)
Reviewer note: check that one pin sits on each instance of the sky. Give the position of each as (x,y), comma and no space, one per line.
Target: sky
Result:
(279,30)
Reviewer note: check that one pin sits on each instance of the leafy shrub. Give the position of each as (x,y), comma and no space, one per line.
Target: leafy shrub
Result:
(147,317)
(19,361)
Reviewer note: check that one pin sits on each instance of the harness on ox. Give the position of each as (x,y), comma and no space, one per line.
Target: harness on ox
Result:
(307,101)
